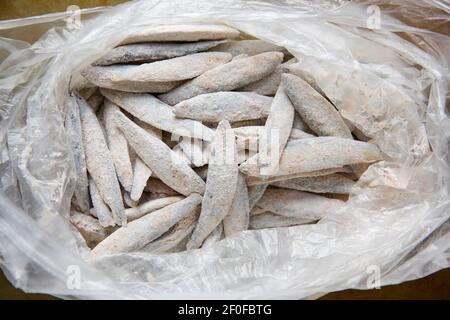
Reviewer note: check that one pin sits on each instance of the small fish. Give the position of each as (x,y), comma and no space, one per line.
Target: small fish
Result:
(96,100)
(319,114)
(278,128)
(257,210)
(188,33)
(101,210)
(248,137)
(115,77)
(260,180)
(221,184)
(315,154)
(300,124)
(214,236)
(138,233)
(147,52)
(176,69)
(150,110)
(100,164)
(141,174)
(73,127)
(238,218)
(128,201)
(90,228)
(296,69)
(159,158)
(268,86)
(248,47)
(269,220)
(174,236)
(227,77)
(240,56)
(230,106)
(255,193)
(333,183)
(118,146)
(298,204)
(300,134)
(150,206)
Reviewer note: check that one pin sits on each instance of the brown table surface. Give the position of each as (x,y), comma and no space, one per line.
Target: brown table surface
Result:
(435,286)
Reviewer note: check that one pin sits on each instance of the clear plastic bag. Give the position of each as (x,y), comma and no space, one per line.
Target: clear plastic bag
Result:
(394,225)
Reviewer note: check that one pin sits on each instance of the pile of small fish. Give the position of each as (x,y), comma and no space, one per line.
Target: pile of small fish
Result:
(169,133)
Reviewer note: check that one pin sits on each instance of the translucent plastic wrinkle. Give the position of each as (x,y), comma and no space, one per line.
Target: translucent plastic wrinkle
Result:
(394,224)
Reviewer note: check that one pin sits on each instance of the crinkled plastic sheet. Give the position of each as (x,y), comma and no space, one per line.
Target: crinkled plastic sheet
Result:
(390,83)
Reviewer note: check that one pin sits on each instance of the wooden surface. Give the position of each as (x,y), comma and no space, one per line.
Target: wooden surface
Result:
(436,286)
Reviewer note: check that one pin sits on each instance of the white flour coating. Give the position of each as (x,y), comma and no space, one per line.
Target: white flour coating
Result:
(298,204)
(118,146)
(147,52)
(149,109)
(159,158)
(227,77)
(73,127)
(138,233)
(214,236)
(257,210)
(333,183)
(130,203)
(296,69)
(247,47)
(277,131)
(270,220)
(175,69)
(100,163)
(255,181)
(238,218)
(313,154)
(96,100)
(255,193)
(90,228)
(221,184)
(241,56)
(300,134)
(141,174)
(248,137)
(150,206)
(269,85)
(231,106)
(319,114)
(300,124)
(175,235)
(188,33)
(114,78)
(101,210)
